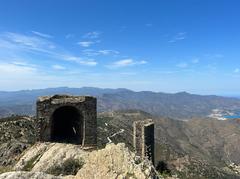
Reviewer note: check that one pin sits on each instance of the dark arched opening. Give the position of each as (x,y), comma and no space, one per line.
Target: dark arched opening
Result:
(66,125)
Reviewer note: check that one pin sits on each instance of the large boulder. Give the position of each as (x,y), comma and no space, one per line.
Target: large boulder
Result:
(45,157)
(115,161)
(73,162)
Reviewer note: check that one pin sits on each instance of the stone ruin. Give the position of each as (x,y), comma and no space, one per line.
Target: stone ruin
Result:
(73,119)
(143,138)
(65,118)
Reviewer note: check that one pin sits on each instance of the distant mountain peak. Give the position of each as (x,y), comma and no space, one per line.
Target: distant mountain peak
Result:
(183,93)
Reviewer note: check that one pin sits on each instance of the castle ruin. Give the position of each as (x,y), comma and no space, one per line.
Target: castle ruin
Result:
(143,138)
(65,118)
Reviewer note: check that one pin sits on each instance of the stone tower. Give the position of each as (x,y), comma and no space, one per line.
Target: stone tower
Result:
(143,138)
(65,118)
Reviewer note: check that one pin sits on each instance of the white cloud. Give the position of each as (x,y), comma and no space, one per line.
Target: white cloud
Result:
(18,44)
(178,37)
(24,42)
(237,70)
(87,62)
(92,35)
(21,63)
(91,52)
(86,43)
(126,62)
(42,34)
(182,65)
(58,67)
(16,69)
(107,52)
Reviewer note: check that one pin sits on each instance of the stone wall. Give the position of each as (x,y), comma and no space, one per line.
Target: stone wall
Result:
(86,106)
(143,138)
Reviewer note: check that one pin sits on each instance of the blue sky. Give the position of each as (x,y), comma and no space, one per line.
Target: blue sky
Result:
(158,45)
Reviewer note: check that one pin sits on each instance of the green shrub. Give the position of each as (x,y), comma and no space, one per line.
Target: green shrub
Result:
(30,164)
(4,169)
(69,167)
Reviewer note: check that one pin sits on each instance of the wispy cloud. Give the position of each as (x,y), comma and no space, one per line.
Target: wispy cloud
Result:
(58,67)
(90,38)
(19,44)
(16,68)
(26,42)
(126,63)
(108,52)
(42,34)
(188,63)
(86,43)
(92,35)
(91,52)
(178,37)
(87,62)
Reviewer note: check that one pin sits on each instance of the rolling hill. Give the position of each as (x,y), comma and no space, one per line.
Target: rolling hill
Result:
(181,105)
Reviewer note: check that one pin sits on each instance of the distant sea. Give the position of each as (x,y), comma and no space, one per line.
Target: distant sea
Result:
(231,117)
(236,115)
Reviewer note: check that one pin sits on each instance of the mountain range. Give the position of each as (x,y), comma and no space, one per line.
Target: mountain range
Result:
(180,105)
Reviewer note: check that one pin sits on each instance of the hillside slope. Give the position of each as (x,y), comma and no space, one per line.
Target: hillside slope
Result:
(191,149)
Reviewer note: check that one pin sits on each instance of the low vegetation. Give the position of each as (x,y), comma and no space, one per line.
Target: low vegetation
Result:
(30,164)
(4,169)
(69,167)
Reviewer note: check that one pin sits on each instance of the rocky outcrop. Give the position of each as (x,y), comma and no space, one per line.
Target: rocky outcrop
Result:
(44,160)
(27,175)
(44,156)
(115,161)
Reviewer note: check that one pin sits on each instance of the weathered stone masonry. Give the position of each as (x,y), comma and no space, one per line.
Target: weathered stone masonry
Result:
(143,138)
(64,118)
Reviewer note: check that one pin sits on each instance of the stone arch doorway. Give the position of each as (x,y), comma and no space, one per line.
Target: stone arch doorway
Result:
(67,125)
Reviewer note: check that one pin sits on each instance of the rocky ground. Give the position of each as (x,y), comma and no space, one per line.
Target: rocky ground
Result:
(17,133)
(21,157)
(48,160)
(184,149)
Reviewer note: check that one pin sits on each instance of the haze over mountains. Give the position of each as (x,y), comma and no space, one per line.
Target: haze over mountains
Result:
(180,105)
